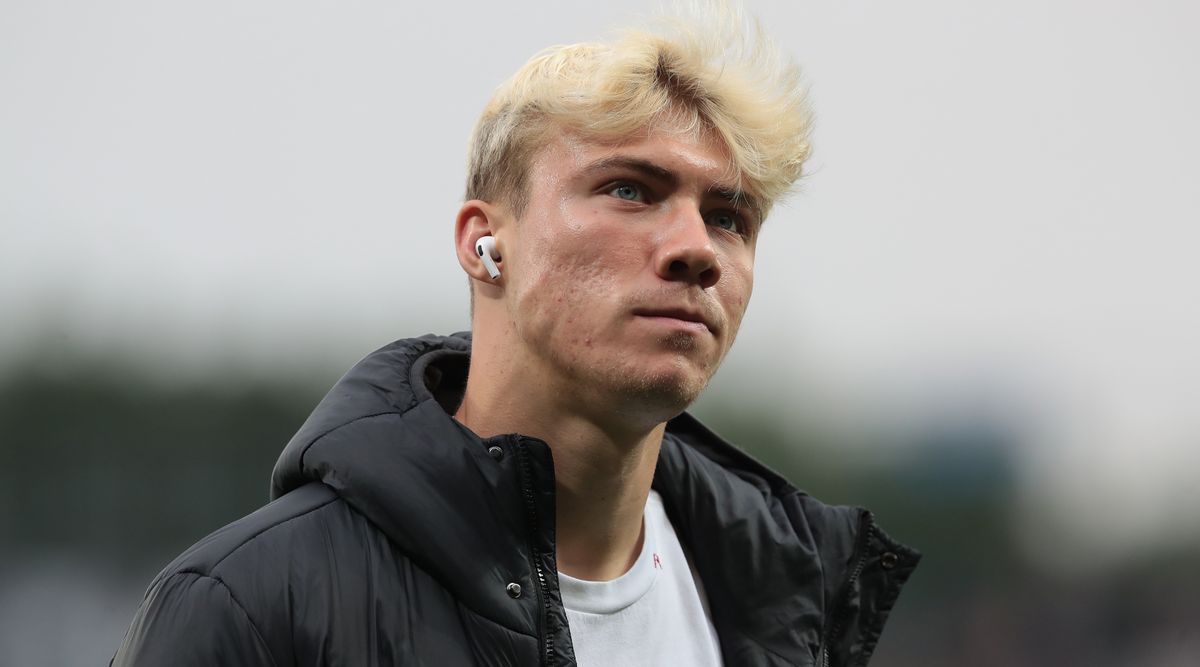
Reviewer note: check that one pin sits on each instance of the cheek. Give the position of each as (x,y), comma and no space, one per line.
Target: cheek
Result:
(562,289)
(736,296)
(565,265)
(581,258)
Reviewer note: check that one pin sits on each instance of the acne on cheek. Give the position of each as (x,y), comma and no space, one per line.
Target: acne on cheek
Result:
(582,271)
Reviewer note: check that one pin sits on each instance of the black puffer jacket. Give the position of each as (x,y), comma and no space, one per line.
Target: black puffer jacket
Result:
(398,537)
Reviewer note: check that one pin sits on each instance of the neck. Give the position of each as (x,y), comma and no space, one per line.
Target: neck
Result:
(603,469)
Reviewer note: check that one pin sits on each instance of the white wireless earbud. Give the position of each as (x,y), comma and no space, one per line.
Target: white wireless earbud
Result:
(486,247)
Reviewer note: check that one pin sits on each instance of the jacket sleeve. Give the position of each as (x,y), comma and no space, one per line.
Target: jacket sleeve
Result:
(190,619)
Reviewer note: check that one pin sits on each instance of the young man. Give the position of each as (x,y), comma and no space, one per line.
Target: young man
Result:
(534,493)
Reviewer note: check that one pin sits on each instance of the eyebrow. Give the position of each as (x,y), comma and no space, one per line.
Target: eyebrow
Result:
(736,198)
(644,167)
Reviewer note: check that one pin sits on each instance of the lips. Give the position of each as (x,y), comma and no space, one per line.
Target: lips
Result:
(683,314)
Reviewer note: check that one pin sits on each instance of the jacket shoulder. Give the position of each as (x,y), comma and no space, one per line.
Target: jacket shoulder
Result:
(277,521)
(221,599)
(190,620)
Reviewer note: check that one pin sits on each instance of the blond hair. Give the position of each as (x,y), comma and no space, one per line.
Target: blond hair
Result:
(713,72)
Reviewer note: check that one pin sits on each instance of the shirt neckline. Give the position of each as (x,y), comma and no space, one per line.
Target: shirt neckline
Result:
(608,597)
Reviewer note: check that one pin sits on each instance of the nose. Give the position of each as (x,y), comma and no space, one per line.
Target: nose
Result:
(685,251)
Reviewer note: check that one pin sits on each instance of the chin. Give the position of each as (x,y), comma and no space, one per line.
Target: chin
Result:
(647,386)
(658,394)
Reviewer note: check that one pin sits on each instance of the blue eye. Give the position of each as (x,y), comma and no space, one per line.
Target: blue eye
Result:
(724,219)
(627,191)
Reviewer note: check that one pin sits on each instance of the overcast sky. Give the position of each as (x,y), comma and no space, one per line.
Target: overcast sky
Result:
(1001,210)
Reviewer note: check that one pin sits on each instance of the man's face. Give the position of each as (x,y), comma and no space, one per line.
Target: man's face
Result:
(629,272)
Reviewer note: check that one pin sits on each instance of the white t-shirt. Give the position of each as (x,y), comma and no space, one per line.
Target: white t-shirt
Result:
(654,614)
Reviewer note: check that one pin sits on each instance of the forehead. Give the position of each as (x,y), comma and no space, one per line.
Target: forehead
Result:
(686,155)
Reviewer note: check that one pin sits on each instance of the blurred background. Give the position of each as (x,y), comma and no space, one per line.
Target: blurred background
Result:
(978,316)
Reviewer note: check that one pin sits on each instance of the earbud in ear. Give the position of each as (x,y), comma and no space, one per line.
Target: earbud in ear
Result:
(486,247)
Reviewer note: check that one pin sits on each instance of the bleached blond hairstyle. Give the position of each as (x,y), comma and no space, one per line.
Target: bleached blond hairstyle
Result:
(713,71)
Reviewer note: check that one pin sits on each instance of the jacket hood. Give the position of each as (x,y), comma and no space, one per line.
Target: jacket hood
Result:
(773,561)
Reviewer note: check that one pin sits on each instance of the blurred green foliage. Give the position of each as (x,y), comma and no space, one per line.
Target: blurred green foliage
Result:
(131,470)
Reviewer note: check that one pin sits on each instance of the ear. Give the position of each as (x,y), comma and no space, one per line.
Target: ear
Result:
(477,218)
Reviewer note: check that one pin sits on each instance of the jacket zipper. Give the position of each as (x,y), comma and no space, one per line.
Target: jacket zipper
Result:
(540,584)
(860,563)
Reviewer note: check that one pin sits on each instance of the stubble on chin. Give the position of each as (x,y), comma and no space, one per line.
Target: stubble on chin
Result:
(680,341)
(661,393)
(624,382)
